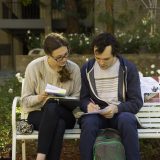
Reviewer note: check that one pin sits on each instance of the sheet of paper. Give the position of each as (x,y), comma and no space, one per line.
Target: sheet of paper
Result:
(98,111)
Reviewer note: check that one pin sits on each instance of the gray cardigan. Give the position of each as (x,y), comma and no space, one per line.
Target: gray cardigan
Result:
(38,74)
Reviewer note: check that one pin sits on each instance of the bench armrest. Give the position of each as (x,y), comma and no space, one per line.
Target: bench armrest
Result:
(15,103)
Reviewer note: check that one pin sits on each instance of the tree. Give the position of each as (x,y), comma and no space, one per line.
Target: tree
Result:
(26,2)
(109,10)
(151,5)
(72,16)
(103,14)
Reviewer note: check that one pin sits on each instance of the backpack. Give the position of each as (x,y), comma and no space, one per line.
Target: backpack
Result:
(108,146)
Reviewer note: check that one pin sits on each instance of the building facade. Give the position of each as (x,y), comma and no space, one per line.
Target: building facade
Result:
(43,16)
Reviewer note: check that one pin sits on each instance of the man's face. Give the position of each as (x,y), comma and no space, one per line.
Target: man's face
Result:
(104,59)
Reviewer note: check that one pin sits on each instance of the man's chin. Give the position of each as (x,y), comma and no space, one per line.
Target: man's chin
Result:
(103,67)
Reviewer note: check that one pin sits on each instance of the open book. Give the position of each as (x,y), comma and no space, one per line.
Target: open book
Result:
(55,91)
(59,95)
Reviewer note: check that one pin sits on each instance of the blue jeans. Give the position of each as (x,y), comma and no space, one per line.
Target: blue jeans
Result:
(124,122)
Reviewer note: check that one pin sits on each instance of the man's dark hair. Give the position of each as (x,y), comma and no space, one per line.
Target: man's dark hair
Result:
(103,40)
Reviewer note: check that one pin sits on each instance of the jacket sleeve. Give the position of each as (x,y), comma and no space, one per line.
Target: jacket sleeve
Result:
(133,101)
(84,93)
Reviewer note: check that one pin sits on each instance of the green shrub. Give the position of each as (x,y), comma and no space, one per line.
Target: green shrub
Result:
(138,43)
(150,149)
(79,43)
(8,91)
(139,39)
(33,40)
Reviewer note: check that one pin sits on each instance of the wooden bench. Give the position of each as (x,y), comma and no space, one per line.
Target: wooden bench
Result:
(149,116)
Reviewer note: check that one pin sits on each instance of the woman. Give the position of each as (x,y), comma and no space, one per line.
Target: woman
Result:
(47,116)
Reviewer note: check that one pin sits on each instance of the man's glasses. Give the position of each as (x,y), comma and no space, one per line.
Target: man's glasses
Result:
(60,58)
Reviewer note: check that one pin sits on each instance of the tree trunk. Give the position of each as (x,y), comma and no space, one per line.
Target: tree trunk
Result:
(109,9)
(72,16)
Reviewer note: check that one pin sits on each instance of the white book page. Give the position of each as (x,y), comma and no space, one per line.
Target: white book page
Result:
(50,89)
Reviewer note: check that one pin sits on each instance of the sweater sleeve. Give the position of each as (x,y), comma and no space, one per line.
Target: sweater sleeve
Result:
(77,82)
(29,98)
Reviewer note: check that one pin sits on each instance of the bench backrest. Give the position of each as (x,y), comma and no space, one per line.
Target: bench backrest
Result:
(150,116)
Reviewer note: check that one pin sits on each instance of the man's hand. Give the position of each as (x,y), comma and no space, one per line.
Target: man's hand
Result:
(110,111)
(92,107)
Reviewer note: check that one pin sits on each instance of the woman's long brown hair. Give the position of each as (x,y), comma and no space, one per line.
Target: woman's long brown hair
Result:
(53,41)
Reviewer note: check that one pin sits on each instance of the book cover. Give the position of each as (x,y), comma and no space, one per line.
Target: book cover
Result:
(68,102)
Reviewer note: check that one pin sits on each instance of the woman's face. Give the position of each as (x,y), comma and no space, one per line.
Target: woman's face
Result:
(60,56)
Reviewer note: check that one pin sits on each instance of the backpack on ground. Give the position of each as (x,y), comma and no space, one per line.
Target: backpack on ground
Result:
(108,146)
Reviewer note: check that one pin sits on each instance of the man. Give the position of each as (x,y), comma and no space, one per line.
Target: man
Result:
(112,82)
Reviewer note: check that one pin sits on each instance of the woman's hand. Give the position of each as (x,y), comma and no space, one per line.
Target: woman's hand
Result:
(42,97)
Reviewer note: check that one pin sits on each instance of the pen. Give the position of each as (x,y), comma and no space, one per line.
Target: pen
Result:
(97,106)
(92,100)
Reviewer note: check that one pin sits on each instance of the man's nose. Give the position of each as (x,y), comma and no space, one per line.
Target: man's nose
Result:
(101,61)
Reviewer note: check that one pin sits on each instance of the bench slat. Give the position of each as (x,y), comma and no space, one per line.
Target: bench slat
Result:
(148,135)
(149,130)
(148,114)
(154,108)
(145,120)
(150,125)
(72,131)
(152,104)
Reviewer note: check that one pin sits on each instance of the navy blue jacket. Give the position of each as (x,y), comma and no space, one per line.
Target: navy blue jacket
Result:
(129,92)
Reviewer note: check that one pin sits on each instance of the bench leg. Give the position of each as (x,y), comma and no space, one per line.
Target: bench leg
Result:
(14,147)
(23,150)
